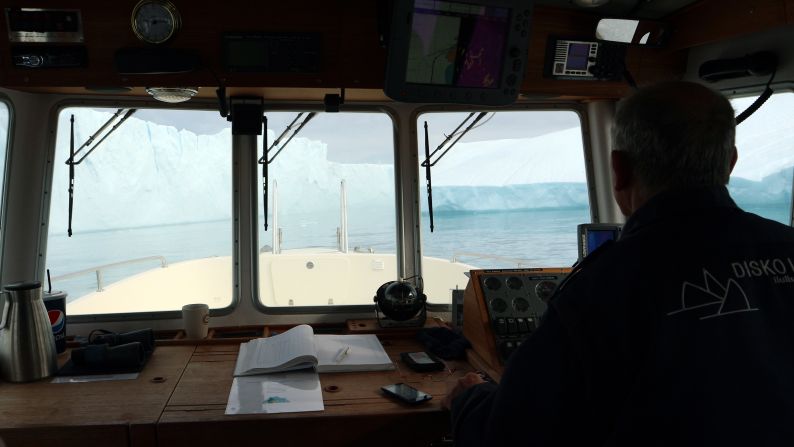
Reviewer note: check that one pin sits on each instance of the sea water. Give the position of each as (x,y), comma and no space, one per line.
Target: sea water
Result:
(528,238)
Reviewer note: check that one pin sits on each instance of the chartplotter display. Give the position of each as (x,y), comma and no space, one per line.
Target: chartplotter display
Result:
(460,52)
(456,44)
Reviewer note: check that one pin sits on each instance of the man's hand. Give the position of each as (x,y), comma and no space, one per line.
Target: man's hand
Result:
(464,383)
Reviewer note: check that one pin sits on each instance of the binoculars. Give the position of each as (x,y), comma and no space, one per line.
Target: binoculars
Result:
(109,350)
(144,336)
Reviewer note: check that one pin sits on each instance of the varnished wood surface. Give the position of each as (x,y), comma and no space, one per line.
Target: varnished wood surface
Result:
(355,414)
(87,414)
(710,21)
(351,54)
(790,12)
(188,407)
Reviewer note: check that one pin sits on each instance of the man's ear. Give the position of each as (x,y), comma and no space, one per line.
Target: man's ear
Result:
(621,171)
(734,159)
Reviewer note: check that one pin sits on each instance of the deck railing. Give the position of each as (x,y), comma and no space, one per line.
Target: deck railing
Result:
(99,269)
(518,262)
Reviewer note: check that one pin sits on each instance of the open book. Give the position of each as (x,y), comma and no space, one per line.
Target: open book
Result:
(299,348)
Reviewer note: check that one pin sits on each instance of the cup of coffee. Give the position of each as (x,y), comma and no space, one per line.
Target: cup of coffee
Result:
(195,320)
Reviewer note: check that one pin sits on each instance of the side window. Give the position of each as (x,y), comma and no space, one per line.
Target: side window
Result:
(508,195)
(331,236)
(151,221)
(761,181)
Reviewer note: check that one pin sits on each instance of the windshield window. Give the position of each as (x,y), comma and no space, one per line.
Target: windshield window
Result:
(510,194)
(331,236)
(761,181)
(152,213)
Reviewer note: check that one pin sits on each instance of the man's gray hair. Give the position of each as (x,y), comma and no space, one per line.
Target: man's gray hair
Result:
(677,135)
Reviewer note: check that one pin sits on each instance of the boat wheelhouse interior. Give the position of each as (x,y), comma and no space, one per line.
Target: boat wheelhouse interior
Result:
(287,162)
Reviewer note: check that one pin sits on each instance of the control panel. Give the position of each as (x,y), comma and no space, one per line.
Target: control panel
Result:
(584,60)
(503,307)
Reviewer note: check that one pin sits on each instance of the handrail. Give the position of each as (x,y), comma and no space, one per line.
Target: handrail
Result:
(518,262)
(98,270)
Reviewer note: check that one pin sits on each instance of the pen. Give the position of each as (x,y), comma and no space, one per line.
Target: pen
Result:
(342,354)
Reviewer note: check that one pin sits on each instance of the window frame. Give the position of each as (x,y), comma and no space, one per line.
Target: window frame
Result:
(739,93)
(579,108)
(6,160)
(393,115)
(407,191)
(131,102)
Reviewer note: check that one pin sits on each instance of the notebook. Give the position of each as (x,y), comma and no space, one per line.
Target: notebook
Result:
(298,348)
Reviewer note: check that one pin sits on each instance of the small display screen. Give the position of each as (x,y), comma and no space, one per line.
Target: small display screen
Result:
(247,53)
(577,56)
(457,44)
(596,238)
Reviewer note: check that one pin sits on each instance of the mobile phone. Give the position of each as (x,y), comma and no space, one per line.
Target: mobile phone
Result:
(406,393)
(422,361)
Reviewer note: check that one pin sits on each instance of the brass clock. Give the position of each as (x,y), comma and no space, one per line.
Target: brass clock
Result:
(155,21)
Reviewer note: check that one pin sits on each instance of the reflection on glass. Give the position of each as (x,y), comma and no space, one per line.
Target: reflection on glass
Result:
(152,213)
(761,181)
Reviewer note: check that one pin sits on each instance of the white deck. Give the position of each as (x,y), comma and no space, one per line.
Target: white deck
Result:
(307,278)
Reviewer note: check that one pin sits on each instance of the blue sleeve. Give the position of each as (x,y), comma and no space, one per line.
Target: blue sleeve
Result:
(535,399)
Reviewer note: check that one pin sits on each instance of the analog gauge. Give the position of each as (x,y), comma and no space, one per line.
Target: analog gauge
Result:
(545,289)
(493,283)
(520,304)
(514,283)
(498,305)
(155,21)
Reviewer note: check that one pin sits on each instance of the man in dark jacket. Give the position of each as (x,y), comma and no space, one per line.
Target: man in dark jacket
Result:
(679,334)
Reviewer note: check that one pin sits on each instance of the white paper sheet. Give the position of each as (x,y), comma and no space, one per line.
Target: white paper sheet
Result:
(276,393)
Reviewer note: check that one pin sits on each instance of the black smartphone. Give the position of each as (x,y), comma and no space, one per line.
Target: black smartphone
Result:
(406,393)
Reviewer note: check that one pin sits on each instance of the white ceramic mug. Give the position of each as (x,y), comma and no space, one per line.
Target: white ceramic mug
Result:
(196,320)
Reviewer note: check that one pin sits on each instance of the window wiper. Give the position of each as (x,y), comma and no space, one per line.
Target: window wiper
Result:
(118,119)
(289,133)
(452,139)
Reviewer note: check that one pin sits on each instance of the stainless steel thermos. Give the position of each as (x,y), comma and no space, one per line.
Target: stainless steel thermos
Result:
(27,346)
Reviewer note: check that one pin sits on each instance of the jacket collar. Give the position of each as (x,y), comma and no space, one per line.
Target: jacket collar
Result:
(679,202)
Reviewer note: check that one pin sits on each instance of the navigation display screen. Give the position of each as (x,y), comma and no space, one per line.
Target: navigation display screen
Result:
(577,56)
(457,44)
(596,238)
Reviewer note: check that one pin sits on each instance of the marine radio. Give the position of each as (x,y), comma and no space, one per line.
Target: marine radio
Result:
(503,307)
(584,60)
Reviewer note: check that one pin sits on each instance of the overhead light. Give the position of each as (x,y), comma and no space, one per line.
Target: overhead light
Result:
(172,95)
(590,3)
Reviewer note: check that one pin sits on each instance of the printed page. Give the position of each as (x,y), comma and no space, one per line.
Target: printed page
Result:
(363,353)
(279,349)
(293,349)
(276,393)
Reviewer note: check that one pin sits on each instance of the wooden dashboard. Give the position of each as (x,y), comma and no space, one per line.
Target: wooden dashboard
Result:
(351,54)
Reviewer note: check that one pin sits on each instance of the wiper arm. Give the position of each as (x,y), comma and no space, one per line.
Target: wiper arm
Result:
(102,128)
(290,128)
(452,139)
(289,132)
(73,153)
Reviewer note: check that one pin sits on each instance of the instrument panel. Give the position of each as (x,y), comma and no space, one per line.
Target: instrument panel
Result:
(503,307)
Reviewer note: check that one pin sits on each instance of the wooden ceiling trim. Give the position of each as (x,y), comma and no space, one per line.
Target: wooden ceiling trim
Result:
(352,56)
(714,20)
